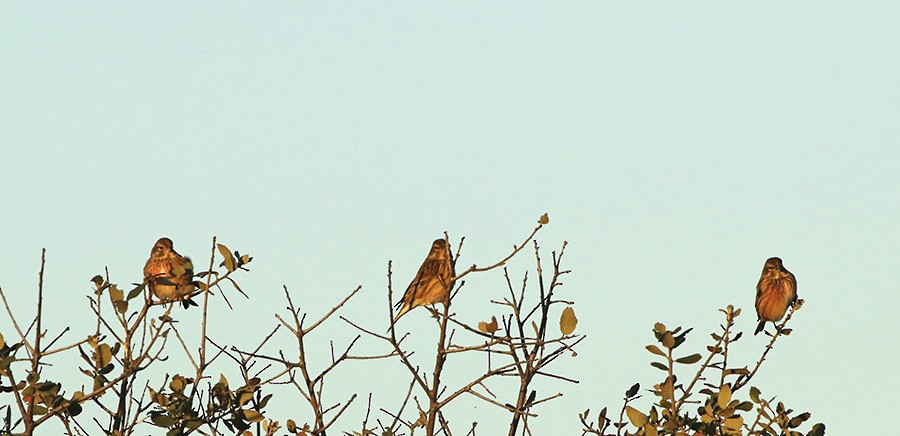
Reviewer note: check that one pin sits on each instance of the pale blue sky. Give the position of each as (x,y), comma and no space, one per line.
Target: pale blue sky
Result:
(676,146)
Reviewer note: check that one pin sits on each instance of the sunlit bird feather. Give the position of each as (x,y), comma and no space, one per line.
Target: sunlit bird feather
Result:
(775,293)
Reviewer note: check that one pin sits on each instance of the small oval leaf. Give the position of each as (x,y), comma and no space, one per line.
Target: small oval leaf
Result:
(567,321)
(693,358)
(637,418)
(655,350)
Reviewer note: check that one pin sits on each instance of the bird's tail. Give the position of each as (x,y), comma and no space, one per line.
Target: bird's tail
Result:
(760,327)
(403,309)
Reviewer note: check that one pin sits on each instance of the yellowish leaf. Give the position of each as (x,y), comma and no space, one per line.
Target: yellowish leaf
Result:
(103,355)
(655,350)
(724,396)
(178,383)
(668,340)
(567,321)
(637,418)
(488,327)
(545,219)
(228,258)
(253,416)
(244,397)
(116,294)
(734,423)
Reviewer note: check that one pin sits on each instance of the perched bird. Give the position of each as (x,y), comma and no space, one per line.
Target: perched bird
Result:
(775,292)
(169,274)
(432,283)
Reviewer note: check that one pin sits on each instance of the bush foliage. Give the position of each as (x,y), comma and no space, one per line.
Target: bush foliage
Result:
(113,392)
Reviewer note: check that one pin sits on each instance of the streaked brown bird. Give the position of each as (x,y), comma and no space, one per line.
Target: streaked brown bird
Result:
(169,274)
(775,293)
(432,283)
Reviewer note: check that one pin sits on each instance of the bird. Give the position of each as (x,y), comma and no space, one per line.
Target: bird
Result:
(433,281)
(169,274)
(775,293)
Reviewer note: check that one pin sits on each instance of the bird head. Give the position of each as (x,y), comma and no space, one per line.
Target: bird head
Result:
(161,247)
(439,248)
(773,267)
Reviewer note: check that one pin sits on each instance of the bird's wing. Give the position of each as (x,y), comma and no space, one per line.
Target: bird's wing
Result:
(428,269)
(793,282)
(446,273)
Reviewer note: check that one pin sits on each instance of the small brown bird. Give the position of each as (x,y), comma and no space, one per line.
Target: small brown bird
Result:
(169,274)
(433,280)
(775,293)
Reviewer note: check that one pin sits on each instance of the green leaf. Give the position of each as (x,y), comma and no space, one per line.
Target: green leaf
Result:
(754,394)
(680,338)
(817,430)
(637,418)
(659,366)
(193,424)
(160,420)
(74,409)
(264,401)
(746,406)
(693,358)
(799,419)
(738,371)
(632,391)
(655,350)
(135,292)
